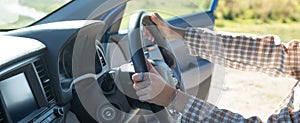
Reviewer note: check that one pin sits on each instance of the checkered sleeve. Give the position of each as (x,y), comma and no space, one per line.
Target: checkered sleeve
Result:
(198,111)
(245,52)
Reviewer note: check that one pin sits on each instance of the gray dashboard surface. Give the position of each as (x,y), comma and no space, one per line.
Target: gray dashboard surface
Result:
(12,48)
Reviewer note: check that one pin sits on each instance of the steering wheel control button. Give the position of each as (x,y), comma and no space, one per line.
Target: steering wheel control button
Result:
(109,113)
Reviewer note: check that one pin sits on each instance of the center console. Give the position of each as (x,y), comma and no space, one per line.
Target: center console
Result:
(26,93)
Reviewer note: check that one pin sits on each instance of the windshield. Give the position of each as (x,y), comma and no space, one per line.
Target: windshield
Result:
(21,13)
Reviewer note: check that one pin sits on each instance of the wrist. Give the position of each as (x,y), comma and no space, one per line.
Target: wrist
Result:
(178,100)
(181,100)
(180,32)
(169,95)
(173,100)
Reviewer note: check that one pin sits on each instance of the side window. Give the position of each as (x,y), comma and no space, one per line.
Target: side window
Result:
(167,9)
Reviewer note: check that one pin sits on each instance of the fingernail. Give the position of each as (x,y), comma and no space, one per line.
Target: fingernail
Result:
(142,75)
(138,77)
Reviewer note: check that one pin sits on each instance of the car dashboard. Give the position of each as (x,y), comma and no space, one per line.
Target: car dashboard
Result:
(26,92)
(65,64)
(36,79)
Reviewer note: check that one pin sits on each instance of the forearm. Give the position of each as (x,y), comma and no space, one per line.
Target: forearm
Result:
(197,110)
(244,51)
(179,32)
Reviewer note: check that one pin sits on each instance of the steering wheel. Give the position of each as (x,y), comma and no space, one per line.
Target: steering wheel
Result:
(86,82)
(137,21)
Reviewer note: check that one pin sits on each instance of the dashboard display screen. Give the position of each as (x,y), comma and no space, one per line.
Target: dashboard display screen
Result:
(18,96)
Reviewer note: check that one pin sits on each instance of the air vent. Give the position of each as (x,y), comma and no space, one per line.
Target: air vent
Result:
(101,57)
(44,78)
(98,64)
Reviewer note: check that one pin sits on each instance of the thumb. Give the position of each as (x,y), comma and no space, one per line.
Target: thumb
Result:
(152,68)
(157,19)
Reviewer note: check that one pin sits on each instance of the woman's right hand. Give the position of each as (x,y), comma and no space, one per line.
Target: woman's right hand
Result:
(151,87)
(168,31)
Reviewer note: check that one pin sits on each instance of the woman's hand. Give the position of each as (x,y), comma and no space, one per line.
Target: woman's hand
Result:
(168,31)
(151,87)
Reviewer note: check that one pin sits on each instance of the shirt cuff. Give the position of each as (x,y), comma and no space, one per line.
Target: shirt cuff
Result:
(186,118)
(188,105)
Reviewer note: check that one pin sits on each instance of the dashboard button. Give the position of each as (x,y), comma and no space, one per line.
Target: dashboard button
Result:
(59,112)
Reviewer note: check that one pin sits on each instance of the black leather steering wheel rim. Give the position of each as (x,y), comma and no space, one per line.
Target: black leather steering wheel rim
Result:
(137,52)
(135,44)
(136,47)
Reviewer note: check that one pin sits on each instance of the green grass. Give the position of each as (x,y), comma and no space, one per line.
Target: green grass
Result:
(261,17)
(283,11)
(285,31)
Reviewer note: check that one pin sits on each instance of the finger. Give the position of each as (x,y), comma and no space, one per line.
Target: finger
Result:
(148,34)
(141,85)
(149,64)
(141,77)
(151,67)
(145,31)
(158,16)
(152,38)
(145,91)
(156,19)
(137,77)
(144,98)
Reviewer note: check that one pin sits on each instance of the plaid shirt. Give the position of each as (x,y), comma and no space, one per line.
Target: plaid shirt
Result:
(248,53)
